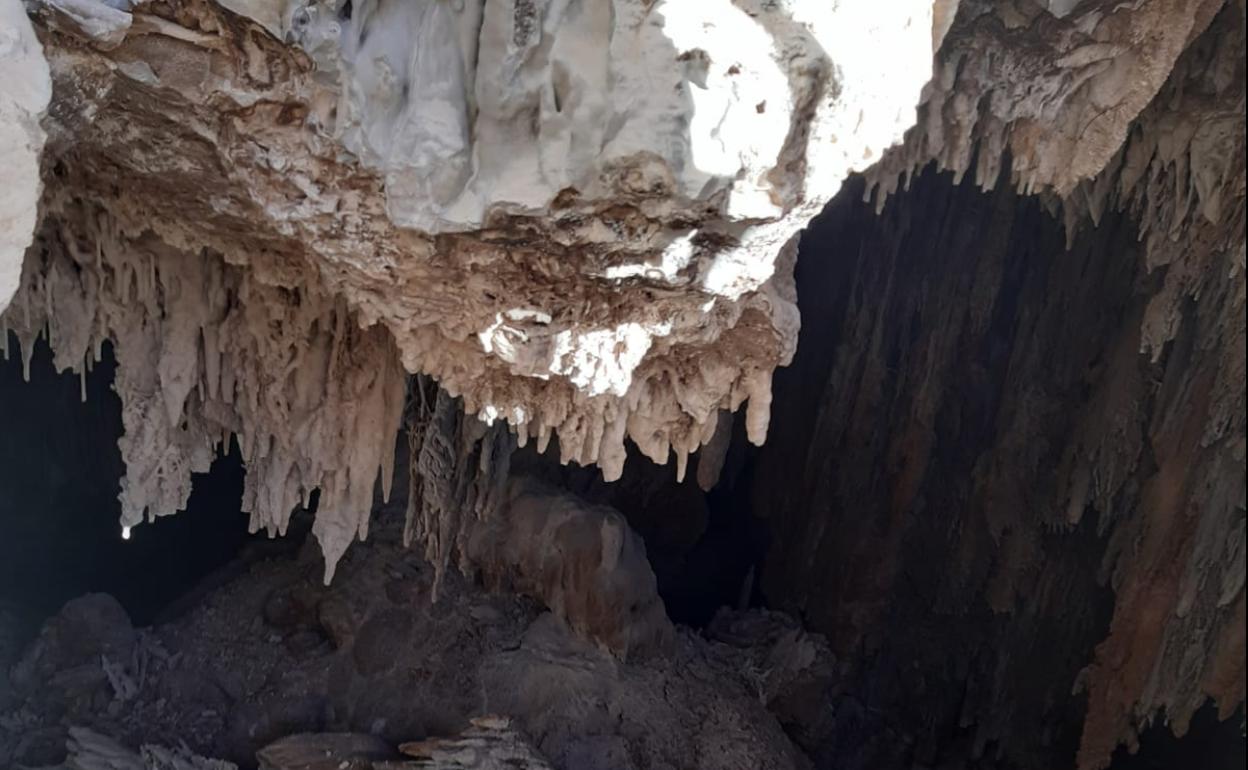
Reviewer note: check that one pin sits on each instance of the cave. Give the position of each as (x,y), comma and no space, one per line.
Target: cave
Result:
(400,384)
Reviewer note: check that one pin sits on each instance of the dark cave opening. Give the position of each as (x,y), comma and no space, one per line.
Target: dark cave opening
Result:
(950,346)
(60,470)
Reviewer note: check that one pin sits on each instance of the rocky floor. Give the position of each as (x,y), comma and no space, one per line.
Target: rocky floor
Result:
(264,655)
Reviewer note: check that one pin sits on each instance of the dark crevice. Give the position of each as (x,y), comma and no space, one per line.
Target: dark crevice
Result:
(706,548)
(60,471)
(944,356)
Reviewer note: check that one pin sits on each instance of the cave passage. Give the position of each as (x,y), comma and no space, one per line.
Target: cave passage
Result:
(60,470)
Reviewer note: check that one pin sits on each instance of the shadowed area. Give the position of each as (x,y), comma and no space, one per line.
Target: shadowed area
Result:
(59,475)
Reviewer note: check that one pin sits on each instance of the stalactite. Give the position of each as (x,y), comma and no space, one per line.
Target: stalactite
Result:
(581,560)
(459,467)
(631,289)
(205,352)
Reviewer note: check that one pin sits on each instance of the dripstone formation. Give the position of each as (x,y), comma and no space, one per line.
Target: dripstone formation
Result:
(391,243)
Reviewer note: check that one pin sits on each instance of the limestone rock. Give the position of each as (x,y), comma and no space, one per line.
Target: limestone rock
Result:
(1055,87)
(579,221)
(24,94)
(583,561)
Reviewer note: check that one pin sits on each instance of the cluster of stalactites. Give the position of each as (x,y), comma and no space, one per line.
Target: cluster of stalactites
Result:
(204,353)
(1047,95)
(458,468)
(662,420)
(588,235)
(719,152)
(1172,173)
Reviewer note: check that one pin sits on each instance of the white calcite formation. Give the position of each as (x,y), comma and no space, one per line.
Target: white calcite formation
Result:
(203,355)
(24,93)
(663,153)
(1052,88)
(579,217)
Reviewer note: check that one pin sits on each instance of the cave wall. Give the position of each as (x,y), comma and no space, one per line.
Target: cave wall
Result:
(1007,468)
(927,482)
(946,347)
